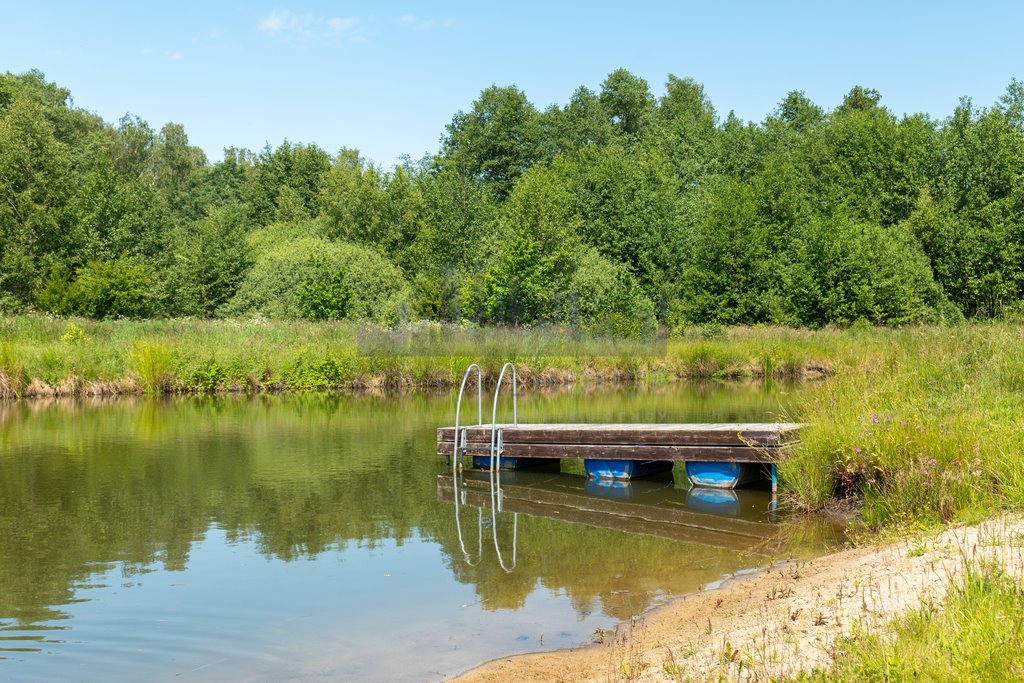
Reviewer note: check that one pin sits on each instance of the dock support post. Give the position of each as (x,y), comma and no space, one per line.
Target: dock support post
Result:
(775,488)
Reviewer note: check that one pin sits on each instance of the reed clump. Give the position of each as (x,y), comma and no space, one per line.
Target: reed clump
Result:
(153,361)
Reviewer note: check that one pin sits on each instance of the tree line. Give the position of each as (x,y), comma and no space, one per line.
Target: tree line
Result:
(620,212)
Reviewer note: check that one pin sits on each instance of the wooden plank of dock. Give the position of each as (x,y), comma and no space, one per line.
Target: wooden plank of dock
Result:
(625,452)
(721,442)
(699,434)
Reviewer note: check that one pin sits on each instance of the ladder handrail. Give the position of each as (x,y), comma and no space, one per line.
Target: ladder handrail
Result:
(496,507)
(458,527)
(495,473)
(515,538)
(495,438)
(457,458)
(456,461)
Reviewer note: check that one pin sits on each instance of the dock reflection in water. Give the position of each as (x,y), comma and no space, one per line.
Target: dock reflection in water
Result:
(732,520)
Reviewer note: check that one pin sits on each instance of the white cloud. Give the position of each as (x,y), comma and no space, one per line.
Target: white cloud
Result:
(301,28)
(276,22)
(174,55)
(342,24)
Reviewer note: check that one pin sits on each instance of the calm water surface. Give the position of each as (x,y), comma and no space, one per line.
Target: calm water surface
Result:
(311,537)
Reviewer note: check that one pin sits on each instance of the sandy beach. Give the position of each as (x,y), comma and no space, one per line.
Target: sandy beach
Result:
(779,621)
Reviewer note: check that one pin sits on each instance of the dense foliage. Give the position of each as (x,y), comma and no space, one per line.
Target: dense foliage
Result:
(619,212)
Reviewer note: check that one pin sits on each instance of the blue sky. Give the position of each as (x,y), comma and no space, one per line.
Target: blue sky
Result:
(386,77)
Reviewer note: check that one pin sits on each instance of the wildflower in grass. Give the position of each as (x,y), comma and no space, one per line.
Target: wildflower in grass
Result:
(874,418)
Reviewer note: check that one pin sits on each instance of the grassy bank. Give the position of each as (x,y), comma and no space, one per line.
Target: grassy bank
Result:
(930,431)
(50,356)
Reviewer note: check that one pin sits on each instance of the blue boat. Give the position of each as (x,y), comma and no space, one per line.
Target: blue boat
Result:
(624,469)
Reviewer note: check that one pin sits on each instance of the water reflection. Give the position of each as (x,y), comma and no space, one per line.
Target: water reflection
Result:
(459,497)
(279,535)
(741,520)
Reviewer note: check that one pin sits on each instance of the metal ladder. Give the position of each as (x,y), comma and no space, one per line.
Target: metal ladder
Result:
(461,437)
(461,445)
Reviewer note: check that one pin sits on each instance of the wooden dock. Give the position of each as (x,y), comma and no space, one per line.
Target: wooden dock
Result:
(630,449)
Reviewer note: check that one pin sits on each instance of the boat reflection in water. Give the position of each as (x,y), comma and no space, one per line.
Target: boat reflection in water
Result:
(741,520)
(716,501)
(615,489)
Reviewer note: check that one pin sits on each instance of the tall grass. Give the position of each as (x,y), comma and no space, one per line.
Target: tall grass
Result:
(153,361)
(932,430)
(42,354)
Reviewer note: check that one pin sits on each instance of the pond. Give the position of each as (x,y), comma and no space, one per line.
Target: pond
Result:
(309,537)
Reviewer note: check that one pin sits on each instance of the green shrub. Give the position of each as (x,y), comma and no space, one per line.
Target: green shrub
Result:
(56,294)
(272,288)
(210,259)
(325,373)
(266,238)
(118,288)
(74,335)
(208,377)
(861,271)
(603,296)
(324,298)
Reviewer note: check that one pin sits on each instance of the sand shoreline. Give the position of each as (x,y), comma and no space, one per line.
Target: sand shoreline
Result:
(777,621)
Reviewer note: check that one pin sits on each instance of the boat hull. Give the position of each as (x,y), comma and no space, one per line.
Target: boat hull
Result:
(624,469)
